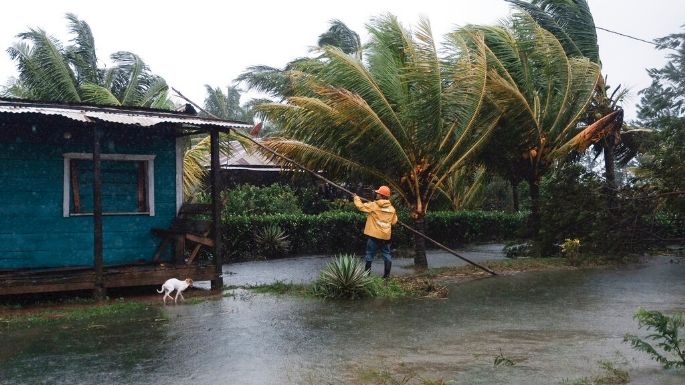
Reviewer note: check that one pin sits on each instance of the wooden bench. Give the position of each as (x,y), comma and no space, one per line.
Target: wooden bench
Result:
(186,227)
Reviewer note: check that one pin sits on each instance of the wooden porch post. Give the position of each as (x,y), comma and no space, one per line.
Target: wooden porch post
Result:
(99,291)
(218,282)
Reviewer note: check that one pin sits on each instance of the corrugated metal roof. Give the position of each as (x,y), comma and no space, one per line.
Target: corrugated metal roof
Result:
(139,117)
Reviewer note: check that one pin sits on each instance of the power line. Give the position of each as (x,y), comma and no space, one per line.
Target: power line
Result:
(628,36)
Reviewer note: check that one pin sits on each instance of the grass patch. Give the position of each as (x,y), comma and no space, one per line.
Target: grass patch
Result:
(86,313)
(278,288)
(427,283)
(380,288)
(391,288)
(611,376)
(376,377)
(504,266)
(383,288)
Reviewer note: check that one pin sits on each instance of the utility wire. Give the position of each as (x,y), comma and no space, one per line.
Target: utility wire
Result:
(628,36)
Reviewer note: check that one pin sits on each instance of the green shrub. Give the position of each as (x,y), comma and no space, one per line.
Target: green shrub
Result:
(666,335)
(518,250)
(344,277)
(570,249)
(575,205)
(341,231)
(253,200)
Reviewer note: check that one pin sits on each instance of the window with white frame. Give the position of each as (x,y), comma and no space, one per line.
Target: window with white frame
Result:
(127,184)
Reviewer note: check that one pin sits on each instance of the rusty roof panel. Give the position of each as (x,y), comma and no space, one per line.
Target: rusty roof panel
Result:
(141,117)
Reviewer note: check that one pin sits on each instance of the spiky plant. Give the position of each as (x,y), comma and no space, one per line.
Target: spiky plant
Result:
(272,241)
(344,277)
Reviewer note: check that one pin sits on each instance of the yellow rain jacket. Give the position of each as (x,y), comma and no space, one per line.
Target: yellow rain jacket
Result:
(380,219)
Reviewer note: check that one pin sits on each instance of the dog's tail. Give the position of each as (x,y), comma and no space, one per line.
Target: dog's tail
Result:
(161,291)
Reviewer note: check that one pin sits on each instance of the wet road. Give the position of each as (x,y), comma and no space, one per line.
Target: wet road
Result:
(306,269)
(555,325)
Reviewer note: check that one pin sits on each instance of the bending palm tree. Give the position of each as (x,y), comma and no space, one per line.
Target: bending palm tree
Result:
(225,106)
(402,117)
(572,23)
(49,71)
(542,91)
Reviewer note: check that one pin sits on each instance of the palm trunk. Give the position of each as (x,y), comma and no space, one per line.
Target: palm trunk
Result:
(420,259)
(515,195)
(610,171)
(534,219)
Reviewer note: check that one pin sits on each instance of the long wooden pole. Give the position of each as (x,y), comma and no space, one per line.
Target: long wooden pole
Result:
(218,281)
(317,175)
(99,291)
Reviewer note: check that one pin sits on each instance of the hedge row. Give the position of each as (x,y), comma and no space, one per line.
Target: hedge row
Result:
(338,232)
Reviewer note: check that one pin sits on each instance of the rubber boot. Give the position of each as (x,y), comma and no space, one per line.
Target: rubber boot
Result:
(386,270)
(367,267)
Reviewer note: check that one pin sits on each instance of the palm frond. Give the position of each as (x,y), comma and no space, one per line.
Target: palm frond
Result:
(542,91)
(341,36)
(316,158)
(129,71)
(93,93)
(82,51)
(570,21)
(42,67)
(156,94)
(273,81)
(465,187)
(196,159)
(348,73)
(224,105)
(634,141)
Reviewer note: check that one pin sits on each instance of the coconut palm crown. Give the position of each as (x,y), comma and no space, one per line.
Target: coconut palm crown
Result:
(52,72)
(542,91)
(404,116)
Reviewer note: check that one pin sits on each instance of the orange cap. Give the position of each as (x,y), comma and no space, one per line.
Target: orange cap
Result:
(384,190)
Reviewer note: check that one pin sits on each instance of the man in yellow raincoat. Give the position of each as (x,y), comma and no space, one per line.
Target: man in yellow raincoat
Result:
(381,216)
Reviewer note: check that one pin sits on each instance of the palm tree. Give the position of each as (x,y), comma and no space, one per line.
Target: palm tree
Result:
(49,71)
(225,106)
(403,116)
(465,188)
(195,160)
(341,36)
(572,23)
(542,91)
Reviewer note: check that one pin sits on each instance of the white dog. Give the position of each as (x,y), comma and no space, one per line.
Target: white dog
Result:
(175,284)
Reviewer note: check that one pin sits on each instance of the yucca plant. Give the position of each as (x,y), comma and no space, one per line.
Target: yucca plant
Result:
(344,277)
(272,241)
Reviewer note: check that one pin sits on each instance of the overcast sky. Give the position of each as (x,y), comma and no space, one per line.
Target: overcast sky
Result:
(193,43)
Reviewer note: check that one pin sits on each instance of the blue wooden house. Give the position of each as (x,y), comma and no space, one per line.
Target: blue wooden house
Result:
(81,188)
